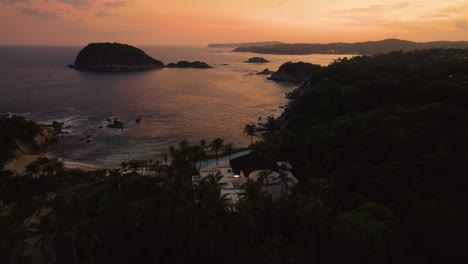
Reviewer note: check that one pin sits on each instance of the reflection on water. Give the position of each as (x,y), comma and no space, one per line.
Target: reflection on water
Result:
(174,104)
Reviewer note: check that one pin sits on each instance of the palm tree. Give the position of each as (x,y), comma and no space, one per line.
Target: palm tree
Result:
(250,130)
(203,144)
(214,179)
(172,151)
(165,157)
(198,154)
(229,149)
(45,230)
(264,179)
(252,191)
(216,146)
(284,180)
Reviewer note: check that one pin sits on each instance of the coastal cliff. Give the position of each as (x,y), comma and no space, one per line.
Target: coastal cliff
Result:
(114,57)
(20,136)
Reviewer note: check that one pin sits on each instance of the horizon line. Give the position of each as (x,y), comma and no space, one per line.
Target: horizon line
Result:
(222,43)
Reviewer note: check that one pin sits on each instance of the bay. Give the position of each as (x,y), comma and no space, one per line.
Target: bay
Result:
(174,104)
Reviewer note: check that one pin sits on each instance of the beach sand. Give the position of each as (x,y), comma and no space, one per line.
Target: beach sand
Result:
(19,164)
(81,166)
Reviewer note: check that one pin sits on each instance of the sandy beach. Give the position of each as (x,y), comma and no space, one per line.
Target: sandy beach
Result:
(18,165)
(81,166)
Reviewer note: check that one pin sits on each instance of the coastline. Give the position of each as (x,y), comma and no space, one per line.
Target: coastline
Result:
(70,165)
(18,164)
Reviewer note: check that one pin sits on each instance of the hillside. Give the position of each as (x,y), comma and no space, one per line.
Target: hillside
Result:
(365,48)
(19,133)
(244,44)
(380,143)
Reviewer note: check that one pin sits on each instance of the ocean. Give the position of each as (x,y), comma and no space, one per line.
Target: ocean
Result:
(174,104)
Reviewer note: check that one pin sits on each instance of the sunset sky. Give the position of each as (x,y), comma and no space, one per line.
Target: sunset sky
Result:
(199,22)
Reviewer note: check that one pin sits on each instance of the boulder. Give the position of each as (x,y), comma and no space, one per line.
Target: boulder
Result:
(116,124)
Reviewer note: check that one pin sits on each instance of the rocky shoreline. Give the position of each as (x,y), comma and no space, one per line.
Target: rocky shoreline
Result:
(27,152)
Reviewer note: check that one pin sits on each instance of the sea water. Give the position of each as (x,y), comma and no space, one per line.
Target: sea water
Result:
(174,104)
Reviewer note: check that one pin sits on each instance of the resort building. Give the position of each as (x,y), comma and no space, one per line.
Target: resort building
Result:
(276,177)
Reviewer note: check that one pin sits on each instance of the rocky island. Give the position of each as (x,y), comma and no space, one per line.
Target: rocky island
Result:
(265,72)
(257,60)
(187,64)
(114,57)
(295,72)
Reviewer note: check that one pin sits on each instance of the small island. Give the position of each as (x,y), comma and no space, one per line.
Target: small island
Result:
(187,64)
(114,57)
(257,60)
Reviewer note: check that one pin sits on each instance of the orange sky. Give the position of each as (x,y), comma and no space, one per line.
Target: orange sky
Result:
(199,22)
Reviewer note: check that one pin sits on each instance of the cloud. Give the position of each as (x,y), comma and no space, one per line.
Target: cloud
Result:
(463,25)
(75,3)
(115,4)
(37,13)
(10,2)
(381,7)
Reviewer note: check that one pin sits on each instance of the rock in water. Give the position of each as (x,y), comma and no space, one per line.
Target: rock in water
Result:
(257,60)
(187,64)
(265,71)
(114,57)
(116,124)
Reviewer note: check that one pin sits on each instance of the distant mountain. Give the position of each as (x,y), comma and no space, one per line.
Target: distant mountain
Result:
(365,48)
(245,44)
(114,57)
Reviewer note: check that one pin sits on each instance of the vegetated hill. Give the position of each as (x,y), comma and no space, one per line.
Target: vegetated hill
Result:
(380,142)
(366,48)
(114,57)
(379,146)
(245,44)
(295,72)
(16,131)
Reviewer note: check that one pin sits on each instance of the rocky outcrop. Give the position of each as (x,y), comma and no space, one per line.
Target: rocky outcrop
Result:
(114,57)
(187,64)
(39,142)
(265,72)
(257,60)
(20,136)
(295,72)
(116,124)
